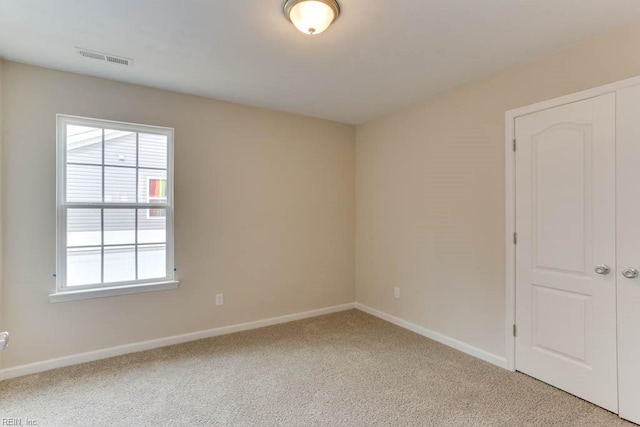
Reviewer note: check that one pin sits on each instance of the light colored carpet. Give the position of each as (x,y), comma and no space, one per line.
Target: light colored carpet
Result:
(344,369)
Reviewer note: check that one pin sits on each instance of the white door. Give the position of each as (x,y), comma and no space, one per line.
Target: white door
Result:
(565,220)
(628,201)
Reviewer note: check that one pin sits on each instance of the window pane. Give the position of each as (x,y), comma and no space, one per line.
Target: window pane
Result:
(119,148)
(83,227)
(83,266)
(84,183)
(84,144)
(119,264)
(152,186)
(152,262)
(119,226)
(119,185)
(152,225)
(153,150)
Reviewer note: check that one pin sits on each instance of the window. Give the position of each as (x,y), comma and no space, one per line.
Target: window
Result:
(115,208)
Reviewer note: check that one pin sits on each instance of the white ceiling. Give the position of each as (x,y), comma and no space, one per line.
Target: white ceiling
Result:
(380,56)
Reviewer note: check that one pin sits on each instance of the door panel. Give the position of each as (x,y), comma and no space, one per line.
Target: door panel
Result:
(628,211)
(560,239)
(565,219)
(559,322)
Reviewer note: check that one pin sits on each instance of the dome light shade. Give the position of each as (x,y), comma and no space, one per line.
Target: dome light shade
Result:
(311,16)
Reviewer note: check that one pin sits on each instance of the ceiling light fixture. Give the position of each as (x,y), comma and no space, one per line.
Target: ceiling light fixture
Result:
(311,16)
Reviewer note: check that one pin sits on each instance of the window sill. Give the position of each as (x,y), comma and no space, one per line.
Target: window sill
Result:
(111,291)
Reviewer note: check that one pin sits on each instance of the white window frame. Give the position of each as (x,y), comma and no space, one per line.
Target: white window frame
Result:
(68,293)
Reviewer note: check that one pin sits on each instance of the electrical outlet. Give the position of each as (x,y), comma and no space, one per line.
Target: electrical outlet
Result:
(219,300)
(396,293)
(4,340)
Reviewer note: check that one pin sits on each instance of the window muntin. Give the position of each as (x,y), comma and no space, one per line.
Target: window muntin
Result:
(115,213)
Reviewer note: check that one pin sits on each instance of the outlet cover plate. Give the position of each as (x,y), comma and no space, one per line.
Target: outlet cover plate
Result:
(4,340)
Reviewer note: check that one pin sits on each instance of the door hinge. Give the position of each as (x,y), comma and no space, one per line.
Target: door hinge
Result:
(514,145)
(514,330)
(515,238)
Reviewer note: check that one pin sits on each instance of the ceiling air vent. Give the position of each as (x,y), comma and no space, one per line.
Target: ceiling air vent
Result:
(117,60)
(92,54)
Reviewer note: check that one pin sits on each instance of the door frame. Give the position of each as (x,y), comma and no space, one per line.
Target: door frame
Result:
(510,195)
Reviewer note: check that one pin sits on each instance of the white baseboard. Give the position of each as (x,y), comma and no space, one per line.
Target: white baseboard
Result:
(46,365)
(451,342)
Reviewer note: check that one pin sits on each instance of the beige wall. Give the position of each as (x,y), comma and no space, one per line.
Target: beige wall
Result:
(265,209)
(430,192)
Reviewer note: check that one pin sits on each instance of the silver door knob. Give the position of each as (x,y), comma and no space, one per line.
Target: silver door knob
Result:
(602,269)
(630,273)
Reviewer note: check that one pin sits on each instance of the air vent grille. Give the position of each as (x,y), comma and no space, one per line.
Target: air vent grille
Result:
(117,60)
(92,54)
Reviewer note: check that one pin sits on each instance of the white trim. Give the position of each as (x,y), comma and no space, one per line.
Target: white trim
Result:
(116,125)
(574,97)
(62,207)
(443,339)
(510,193)
(112,291)
(510,253)
(46,365)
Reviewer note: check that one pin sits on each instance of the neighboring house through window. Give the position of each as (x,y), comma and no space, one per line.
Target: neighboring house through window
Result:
(115,206)
(157,193)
